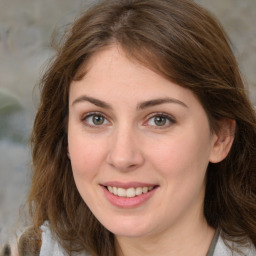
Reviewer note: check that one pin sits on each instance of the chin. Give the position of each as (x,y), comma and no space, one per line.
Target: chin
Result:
(128,227)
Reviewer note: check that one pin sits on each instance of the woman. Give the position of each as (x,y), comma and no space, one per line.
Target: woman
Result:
(144,141)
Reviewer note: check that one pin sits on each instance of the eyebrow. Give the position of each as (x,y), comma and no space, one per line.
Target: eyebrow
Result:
(155,102)
(140,106)
(96,102)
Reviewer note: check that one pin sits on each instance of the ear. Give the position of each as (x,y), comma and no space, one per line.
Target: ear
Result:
(223,140)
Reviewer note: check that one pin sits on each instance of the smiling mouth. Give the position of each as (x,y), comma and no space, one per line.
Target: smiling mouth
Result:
(129,192)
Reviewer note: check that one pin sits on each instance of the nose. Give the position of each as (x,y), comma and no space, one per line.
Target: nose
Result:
(125,153)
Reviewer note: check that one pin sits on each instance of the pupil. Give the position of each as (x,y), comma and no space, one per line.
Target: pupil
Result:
(98,120)
(159,120)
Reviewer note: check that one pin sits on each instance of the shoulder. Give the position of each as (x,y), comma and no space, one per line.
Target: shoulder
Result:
(45,244)
(227,248)
(50,244)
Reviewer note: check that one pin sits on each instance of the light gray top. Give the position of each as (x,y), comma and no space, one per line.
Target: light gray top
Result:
(50,246)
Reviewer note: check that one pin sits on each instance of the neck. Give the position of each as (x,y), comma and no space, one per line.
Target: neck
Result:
(189,240)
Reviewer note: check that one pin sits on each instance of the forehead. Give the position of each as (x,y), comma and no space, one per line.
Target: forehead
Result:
(117,80)
(112,67)
(146,57)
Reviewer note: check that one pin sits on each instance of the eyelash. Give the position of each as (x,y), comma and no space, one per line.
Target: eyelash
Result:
(170,119)
(93,114)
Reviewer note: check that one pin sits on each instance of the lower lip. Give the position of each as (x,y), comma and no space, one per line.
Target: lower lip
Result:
(128,202)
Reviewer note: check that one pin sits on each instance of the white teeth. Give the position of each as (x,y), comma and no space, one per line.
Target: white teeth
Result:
(145,190)
(130,192)
(110,189)
(138,191)
(114,191)
(121,192)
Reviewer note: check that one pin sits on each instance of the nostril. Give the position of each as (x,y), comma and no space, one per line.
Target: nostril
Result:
(125,160)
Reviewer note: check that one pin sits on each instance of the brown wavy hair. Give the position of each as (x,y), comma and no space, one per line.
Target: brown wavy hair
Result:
(181,41)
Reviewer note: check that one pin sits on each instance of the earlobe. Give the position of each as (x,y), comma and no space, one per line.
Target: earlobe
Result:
(223,140)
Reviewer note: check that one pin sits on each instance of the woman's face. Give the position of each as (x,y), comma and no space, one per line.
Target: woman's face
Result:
(139,147)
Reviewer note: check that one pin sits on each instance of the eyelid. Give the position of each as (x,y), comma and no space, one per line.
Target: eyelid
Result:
(89,114)
(84,116)
(170,118)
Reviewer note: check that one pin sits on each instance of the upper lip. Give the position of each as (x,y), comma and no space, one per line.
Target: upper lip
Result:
(126,185)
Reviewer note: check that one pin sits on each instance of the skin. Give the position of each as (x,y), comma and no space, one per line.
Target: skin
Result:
(130,146)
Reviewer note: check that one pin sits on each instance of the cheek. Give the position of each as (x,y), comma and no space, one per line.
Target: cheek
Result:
(85,156)
(86,159)
(184,156)
(182,164)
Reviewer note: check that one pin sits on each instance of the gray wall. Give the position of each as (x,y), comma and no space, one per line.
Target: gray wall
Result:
(25,31)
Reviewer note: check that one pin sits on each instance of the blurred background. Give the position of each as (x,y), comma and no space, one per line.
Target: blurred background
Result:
(26,28)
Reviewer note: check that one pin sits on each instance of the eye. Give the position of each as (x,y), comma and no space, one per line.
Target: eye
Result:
(160,120)
(95,119)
